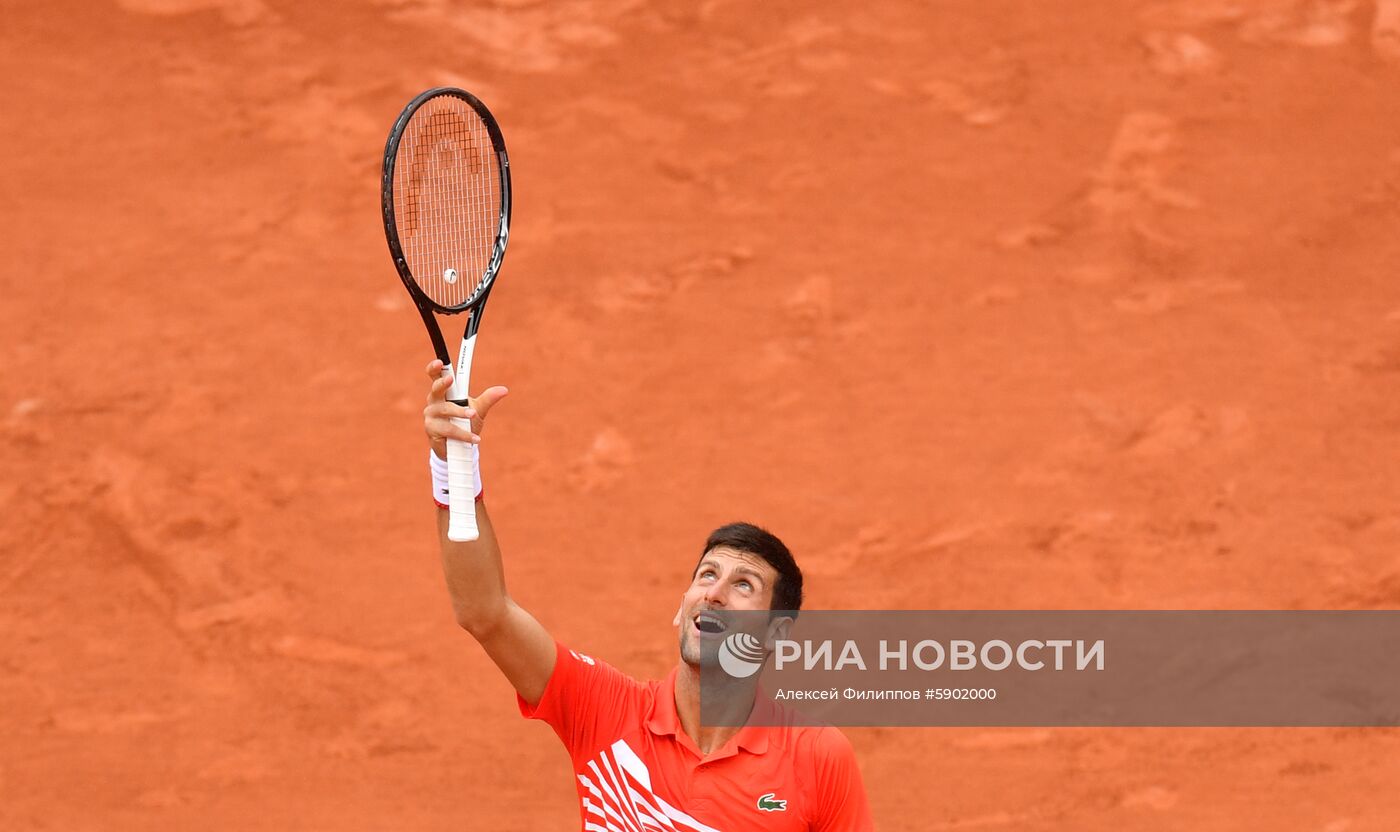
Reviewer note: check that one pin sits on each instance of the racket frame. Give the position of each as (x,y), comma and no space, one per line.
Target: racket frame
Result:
(460,454)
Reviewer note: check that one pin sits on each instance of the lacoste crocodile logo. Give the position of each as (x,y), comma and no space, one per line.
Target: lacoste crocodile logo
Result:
(769,803)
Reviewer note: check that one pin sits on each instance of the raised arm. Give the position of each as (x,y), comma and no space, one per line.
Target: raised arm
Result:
(515,641)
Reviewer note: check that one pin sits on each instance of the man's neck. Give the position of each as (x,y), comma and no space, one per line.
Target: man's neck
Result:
(737,704)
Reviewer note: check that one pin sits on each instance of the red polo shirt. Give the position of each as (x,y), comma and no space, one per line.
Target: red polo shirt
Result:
(637,770)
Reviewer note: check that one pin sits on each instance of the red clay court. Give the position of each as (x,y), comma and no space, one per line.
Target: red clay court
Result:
(978,305)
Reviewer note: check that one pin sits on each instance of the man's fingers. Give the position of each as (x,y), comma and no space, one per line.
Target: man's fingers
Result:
(443,427)
(447,410)
(440,410)
(438,391)
(439,415)
(451,430)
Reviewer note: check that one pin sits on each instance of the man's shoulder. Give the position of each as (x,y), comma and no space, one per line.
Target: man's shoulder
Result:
(580,680)
(581,658)
(588,663)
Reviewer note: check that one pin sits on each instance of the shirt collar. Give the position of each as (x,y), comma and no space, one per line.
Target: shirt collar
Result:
(664,719)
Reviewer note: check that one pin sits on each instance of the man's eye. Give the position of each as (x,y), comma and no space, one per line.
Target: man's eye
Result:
(746,585)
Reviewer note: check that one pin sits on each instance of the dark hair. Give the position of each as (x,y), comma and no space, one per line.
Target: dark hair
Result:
(746,537)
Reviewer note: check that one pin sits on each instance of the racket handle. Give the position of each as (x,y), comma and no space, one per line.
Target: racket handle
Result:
(461,487)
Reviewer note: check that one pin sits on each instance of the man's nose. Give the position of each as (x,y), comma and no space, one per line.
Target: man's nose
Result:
(715,595)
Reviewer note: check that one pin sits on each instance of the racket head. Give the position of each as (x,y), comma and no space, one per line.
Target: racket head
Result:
(446,199)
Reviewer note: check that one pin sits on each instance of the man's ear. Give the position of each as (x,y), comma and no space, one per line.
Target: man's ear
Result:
(676,622)
(778,630)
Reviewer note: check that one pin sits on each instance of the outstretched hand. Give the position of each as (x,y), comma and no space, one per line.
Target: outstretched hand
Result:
(438,415)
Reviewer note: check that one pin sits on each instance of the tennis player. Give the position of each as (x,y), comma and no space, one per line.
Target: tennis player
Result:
(642,760)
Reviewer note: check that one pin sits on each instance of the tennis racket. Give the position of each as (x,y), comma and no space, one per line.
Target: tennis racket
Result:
(446,201)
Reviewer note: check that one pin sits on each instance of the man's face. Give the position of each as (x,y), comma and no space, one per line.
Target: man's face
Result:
(726,579)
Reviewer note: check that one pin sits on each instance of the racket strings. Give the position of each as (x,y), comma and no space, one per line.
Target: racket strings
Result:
(447,199)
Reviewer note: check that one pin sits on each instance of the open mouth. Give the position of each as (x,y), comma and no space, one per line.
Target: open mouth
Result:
(708,622)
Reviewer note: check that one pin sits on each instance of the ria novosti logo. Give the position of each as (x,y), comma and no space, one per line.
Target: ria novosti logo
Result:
(741,655)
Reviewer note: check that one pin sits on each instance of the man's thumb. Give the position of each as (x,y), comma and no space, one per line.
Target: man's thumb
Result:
(488,399)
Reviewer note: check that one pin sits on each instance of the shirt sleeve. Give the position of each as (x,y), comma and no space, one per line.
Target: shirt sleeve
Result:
(841,802)
(587,702)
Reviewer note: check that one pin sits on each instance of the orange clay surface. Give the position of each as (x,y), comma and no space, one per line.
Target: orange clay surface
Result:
(979,305)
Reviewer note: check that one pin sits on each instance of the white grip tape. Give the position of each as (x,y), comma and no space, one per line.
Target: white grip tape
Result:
(461,487)
(461,457)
